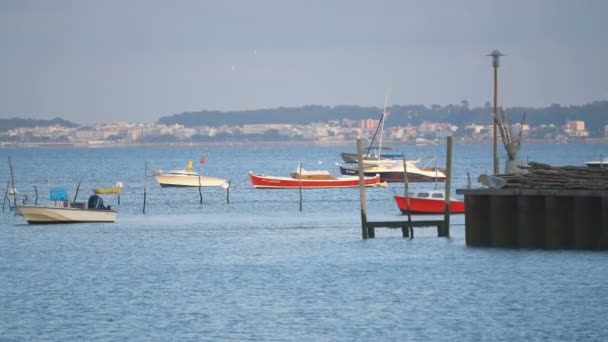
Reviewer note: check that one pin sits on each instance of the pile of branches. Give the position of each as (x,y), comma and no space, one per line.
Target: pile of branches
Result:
(543,176)
(511,142)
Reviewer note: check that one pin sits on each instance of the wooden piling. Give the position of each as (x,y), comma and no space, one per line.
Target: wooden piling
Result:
(300,185)
(145,185)
(36,199)
(503,221)
(603,240)
(228,193)
(200,192)
(530,223)
(558,222)
(477,220)
(407,231)
(10,165)
(364,230)
(587,215)
(444,231)
(6,197)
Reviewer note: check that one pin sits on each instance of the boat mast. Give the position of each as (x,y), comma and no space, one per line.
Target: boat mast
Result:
(382,128)
(371,144)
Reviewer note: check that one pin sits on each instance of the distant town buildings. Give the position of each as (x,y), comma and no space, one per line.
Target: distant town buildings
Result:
(334,131)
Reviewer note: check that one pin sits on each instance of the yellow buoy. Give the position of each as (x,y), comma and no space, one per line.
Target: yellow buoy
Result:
(189,164)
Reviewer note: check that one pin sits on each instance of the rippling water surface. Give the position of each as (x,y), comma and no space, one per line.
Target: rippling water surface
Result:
(259,269)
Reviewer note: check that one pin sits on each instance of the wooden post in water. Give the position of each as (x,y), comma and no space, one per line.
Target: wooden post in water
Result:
(228,193)
(145,185)
(300,184)
(36,199)
(445,229)
(5,197)
(200,192)
(364,232)
(410,230)
(10,165)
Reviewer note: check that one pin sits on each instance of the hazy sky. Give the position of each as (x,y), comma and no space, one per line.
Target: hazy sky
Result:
(93,61)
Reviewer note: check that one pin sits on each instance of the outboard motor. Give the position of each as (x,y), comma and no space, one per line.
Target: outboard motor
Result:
(95,202)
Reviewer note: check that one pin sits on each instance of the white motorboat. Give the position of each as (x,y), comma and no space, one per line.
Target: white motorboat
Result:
(68,214)
(187,178)
(603,163)
(61,210)
(393,172)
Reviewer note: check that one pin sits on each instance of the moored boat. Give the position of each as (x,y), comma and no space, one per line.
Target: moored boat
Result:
(393,172)
(109,191)
(603,163)
(428,202)
(352,157)
(187,178)
(61,210)
(69,214)
(309,180)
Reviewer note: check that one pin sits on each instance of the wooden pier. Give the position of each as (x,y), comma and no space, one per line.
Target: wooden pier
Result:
(407,226)
(536,218)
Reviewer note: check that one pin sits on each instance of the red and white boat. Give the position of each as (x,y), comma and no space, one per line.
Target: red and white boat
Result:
(428,202)
(309,180)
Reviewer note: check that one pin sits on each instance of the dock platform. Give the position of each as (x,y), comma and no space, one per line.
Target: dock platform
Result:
(536,218)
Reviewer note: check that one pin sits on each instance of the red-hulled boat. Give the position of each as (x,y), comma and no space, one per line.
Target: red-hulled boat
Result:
(309,180)
(428,202)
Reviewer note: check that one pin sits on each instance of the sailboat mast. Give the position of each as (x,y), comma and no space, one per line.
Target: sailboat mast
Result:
(382,128)
(371,144)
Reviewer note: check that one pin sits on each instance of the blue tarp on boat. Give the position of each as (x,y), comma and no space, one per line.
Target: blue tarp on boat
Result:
(58,194)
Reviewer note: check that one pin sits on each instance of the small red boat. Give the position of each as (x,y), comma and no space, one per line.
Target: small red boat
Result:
(428,202)
(309,180)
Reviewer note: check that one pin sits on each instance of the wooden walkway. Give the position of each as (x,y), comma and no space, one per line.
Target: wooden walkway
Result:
(407,226)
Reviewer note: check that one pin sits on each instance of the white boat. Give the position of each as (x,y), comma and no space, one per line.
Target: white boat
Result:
(62,210)
(187,178)
(68,214)
(393,172)
(603,163)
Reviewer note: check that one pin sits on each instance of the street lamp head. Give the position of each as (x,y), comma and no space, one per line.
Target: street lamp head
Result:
(495,58)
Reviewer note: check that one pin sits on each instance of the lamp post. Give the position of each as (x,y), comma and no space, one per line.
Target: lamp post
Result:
(495,62)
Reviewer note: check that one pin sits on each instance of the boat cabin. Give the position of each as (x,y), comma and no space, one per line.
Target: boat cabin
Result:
(435,194)
(303,174)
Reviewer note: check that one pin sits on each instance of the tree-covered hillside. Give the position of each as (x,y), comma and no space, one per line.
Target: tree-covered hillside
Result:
(594,114)
(8,124)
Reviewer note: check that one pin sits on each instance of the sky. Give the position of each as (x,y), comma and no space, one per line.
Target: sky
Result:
(136,60)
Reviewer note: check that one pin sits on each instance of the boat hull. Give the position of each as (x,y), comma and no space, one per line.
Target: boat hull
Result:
(598,164)
(427,205)
(352,157)
(393,176)
(188,181)
(107,191)
(48,215)
(271,182)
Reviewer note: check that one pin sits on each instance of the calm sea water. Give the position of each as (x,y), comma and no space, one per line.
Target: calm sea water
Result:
(259,269)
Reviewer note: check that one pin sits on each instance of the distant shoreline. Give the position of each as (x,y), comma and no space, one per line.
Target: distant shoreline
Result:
(271,143)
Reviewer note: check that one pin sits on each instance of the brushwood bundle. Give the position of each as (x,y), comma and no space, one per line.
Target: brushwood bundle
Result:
(543,176)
